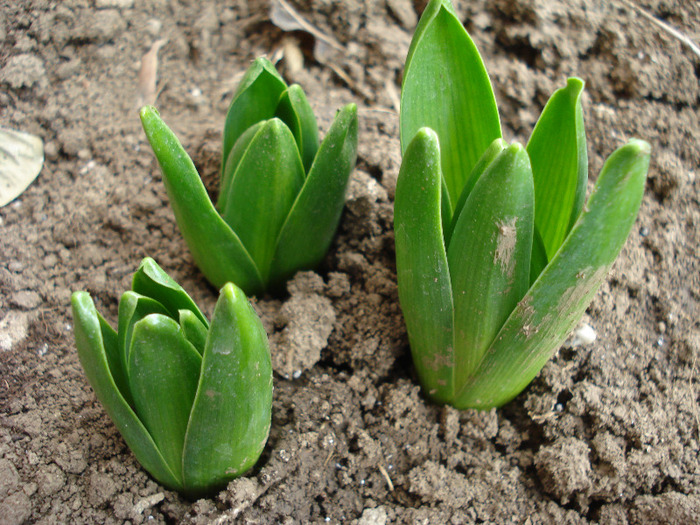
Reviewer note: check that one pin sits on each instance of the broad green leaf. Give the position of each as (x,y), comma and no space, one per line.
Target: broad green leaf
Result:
(313,219)
(234,158)
(446,88)
(557,150)
(255,99)
(150,280)
(195,331)
(231,412)
(264,187)
(558,298)
(163,374)
(423,275)
(495,149)
(199,222)
(294,109)
(489,255)
(95,341)
(132,308)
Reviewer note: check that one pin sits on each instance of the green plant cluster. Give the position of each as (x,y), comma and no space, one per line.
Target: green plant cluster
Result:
(192,399)
(498,253)
(281,192)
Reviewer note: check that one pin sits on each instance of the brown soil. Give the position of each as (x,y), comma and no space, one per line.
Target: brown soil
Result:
(607,433)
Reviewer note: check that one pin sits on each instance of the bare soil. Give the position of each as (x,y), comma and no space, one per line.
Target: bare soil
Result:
(607,433)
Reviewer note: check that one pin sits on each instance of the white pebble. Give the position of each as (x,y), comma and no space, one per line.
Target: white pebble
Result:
(584,335)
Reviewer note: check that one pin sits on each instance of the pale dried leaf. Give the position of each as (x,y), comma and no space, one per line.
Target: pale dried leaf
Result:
(666,27)
(393,94)
(286,18)
(148,73)
(21,160)
(293,56)
(327,50)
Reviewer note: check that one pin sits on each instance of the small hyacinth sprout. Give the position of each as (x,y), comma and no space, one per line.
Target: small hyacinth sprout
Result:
(191,399)
(497,255)
(281,191)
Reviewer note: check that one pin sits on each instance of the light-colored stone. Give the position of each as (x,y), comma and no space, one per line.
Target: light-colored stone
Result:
(9,478)
(119,4)
(25,70)
(13,329)
(15,509)
(25,299)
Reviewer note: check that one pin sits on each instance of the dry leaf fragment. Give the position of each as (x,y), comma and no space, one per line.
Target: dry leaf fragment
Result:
(149,73)
(326,49)
(293,56)
(21,160)
(286,18)
(666,27)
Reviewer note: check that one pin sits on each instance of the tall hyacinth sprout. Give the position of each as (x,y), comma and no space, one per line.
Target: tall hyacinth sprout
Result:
(498,253)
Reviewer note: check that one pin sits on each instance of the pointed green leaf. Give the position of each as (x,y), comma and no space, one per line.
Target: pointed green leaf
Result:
(163,374)
(150,280)
(263,189)
(496,147)
(95,341)
(427,17)
(423,275)
(539,256)
(446,210)
(199,223)
(294,109)
(555,303)
(234,159)
(255,99)
(230,419)
(132,308)
(489,255)
(84,307)
(557,150)
(195,331)
(446,88)
(311,224)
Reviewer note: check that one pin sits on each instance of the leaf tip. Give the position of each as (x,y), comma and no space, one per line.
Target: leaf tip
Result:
(263,62)
(150,268)
(79,300)
(148,263)
(575,84)
(148,113)
(348,112)
(232,293)
(640,147)
(517,153)
(427,134)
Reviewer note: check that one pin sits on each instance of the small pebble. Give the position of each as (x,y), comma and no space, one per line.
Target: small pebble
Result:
(15,266)
(584,335)
(51,150)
